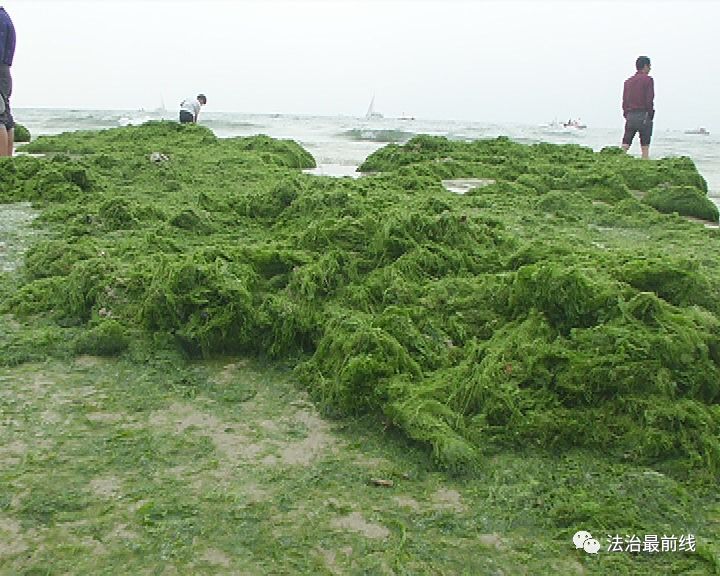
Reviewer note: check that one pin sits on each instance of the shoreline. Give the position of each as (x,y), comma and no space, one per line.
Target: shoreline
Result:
(326,138)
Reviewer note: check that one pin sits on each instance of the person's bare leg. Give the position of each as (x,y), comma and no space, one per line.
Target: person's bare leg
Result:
(11,141)
(3,140)
(626,147)
(645,152)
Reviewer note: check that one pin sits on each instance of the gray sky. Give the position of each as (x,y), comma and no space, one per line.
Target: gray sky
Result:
(511,61)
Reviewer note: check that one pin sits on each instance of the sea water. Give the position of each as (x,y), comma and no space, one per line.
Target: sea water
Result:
(340,144)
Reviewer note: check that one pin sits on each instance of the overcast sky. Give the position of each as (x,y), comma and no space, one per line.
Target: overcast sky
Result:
(511,61)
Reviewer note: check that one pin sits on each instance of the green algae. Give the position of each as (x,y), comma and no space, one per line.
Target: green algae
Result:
(21,133)
(551,308)
(685,200)
(609,176)
(107,338)
(114,437)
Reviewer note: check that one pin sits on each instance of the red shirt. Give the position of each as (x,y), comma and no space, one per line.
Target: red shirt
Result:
(638,93)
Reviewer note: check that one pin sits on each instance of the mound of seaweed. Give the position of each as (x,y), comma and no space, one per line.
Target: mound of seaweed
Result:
(550,308)
(671,184)
(685,200)
(21,133)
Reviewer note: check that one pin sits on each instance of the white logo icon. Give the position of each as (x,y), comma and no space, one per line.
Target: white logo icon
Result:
(580,538)
(583,539)
(591,546)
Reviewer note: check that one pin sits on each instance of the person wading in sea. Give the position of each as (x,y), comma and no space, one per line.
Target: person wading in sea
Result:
(638,107)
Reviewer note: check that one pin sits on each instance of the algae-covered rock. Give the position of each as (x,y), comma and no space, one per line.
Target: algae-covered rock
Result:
(430,419)
(107,338)
(677,281)
(597,184)
(191,220)
(21,133)
(117,214)
(208,304)
(58,180)
(148,138)
(86,289)
(57,257)
(284,153)
(563,203)
(352,362)
(685,200)
(567,297)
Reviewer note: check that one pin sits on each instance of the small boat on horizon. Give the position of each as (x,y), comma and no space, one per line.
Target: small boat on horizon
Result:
(702,131)
(564,127)
(574,124)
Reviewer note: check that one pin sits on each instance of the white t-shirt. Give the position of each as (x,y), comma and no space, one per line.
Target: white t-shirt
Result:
(192,105)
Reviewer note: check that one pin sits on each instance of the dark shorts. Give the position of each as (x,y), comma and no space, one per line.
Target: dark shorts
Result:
(186,117)
(6,117)
(638,121)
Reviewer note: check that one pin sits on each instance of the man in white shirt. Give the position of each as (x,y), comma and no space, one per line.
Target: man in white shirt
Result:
(190,108)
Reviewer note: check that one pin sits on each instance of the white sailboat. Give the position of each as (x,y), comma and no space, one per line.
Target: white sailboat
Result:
(371,114)
(162,110)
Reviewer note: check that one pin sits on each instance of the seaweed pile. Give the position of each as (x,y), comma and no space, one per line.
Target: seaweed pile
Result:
(21,133)
(568,304)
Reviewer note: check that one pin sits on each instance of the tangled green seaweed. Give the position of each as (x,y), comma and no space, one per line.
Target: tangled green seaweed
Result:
(21,133)
(568,304)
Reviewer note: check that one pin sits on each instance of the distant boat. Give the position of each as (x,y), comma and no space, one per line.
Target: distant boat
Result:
(574,124)
(698,131)
(371,114)
(563,127)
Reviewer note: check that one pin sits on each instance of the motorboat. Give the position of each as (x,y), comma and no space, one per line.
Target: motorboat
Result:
(572,126)
(702,131)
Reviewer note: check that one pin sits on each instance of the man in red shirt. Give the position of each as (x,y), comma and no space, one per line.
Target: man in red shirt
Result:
(638,107)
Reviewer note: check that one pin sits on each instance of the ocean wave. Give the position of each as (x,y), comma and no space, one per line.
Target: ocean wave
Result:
(127,121)
(228,124)
(87,118)
(377,135)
